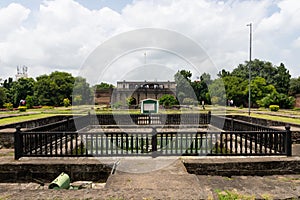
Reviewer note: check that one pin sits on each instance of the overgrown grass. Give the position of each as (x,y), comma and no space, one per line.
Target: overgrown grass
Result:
(232,195)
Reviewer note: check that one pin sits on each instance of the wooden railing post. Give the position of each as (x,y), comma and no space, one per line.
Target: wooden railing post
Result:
(18,143)
(288,140)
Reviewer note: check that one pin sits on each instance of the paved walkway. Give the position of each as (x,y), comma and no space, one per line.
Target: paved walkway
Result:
(163,178)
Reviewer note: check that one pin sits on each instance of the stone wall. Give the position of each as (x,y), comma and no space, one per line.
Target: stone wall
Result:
(32,172)
(243,168)
(7,139)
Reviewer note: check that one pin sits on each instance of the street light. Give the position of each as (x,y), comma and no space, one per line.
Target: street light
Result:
(249,102)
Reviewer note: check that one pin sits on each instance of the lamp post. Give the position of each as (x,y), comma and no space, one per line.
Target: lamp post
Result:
(250,51)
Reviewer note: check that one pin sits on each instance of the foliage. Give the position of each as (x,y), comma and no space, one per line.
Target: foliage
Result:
(52,89)
(103,85)
(283,100)
(235,89)
(66,102)
(294,86)
(3,96)
(274,107)
(29,101)
(77,99)
(189,101)
(22,108)
(82,88)
(168,100)
(230,195)
(21,89)
(130,101)
(8,106)
(259,89)
(279,76)
(116,105)
(201,88)
(217,92)
(183,85)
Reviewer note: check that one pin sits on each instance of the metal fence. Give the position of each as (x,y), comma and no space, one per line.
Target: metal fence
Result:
(231,124)
(66,144)
(237,137)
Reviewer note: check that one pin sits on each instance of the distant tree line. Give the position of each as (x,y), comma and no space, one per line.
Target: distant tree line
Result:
(270,85)
(55,89)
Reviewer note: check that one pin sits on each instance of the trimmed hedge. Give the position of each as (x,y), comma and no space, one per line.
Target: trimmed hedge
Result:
(22,108)
(274,108)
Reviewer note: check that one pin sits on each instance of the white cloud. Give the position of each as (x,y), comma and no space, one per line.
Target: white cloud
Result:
(12,17)
(63,32)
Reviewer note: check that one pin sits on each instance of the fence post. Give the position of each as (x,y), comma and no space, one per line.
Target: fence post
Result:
(288,140)
(17,142)
(154,143)
(209,117)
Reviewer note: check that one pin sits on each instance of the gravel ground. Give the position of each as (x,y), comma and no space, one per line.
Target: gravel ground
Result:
(172,182)
(204,187)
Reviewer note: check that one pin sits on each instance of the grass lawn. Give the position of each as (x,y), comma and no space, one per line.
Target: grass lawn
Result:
(288,116)
(15,119)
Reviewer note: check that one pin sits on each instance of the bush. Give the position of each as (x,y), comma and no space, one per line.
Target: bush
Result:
(189,101)
(130,101)
(22,108)
(167,100)
(66,102)
(47,107)
(29,101)
(274,108)
(117,105)
(8,106)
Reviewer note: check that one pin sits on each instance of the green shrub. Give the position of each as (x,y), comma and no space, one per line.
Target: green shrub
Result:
(66,102)
(47,107)
(130,101)
(22,108)
(189,101)
(117,105)
(168,100)
(8,106)
(274,107)
(29,101)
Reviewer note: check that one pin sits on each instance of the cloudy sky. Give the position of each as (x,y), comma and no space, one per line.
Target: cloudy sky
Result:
(49,35)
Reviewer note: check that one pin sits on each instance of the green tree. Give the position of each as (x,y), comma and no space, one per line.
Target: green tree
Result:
(29,101)
(201,87)
(130,101)
(168,100)
(280,99)
(294,86)
(183,85)
(82,88)
(279,76)
(52,89)
(281,80)
(217,92)
(259,89)
(8,84)
(103,85)
(235,87)
(21,89)
(66,102)
(3,97)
